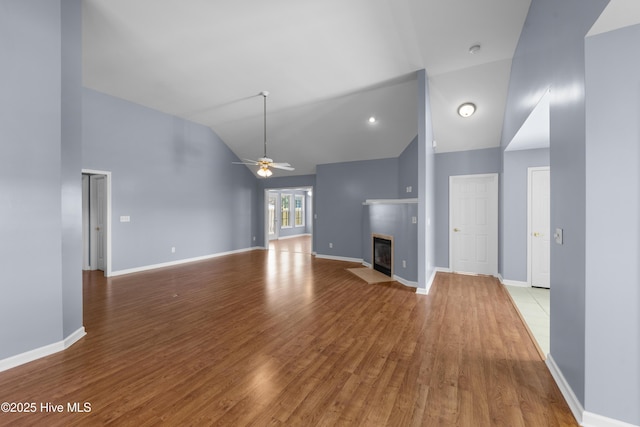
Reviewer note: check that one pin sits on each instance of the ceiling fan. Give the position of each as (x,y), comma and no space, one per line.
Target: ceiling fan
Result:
(265,162)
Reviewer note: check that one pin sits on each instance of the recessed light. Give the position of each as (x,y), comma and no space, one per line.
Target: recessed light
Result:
(467,109)
(372,119)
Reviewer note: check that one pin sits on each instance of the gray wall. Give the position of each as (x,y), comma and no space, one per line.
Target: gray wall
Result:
(471,162)
(514,214)
(393,220)
(174,178)
(340,190)
(37,308)
(408,171)
(550,53)
(426,186)
(613,225)
(71,157)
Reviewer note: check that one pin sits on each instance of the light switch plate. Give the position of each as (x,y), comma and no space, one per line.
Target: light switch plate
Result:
(558,235)
(125,218)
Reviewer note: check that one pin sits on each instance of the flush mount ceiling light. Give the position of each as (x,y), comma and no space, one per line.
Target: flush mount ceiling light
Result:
(474,49)
(372,120)
(467,109)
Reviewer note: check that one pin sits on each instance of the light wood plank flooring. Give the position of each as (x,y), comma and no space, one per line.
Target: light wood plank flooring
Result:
(283,338)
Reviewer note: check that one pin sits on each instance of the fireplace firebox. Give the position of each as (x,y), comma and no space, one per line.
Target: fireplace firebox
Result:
(383,254)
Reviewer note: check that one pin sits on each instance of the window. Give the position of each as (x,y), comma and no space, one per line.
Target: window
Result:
(299,210)
(285,209)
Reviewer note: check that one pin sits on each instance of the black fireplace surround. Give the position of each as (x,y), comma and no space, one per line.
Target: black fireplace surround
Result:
(382,255)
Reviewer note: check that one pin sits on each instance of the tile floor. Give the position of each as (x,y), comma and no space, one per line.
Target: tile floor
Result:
(533,304)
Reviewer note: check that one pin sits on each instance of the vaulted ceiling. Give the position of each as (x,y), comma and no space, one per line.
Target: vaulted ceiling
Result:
(329,65)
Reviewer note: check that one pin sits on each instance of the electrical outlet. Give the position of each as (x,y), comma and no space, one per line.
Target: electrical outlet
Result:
(414,220)
(173,249)
(330,245)
(409,189)
(404,264)
(254,238)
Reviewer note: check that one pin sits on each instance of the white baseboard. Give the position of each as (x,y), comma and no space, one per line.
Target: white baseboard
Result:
(339,258)
(47,350)
(294,236)
(565,389)
(180,261)
(590,419)
(405,282)
(442,270)
(517,283)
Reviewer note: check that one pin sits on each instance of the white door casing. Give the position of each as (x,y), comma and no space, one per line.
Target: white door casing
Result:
(105,219)
(539,229)
(473,221)
(272,216)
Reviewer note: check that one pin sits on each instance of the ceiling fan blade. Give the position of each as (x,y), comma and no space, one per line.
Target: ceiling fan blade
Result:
(247,162)
(283,166)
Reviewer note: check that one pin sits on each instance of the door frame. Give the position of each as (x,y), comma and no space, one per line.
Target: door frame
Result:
(267,238)
(530,171)
(495,223)
(308,208)
(107,250)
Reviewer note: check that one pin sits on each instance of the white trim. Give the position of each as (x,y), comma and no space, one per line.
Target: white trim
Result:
(517,283)
(38,353)
(565,389)
(389,201)
(339,258)
(590,419)
(107,174)
(293,237)
(442,270)
(180,261)
(409,283)
(421,291)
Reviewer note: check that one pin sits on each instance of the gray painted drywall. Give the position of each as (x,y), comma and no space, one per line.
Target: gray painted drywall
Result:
(612,225)
(174,178)
(427,184)
(550,53)
(340,190)
(30,191)
(408,171)
(471,162)
(393,220)
(514,215)
(71,165)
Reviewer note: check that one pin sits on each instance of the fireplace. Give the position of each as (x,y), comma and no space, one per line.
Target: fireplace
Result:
(382,259)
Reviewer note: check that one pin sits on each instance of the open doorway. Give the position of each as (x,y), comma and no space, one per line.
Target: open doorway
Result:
(96,220)
(288,214)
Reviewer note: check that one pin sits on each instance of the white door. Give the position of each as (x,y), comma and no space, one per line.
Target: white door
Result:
(473,220)
(272,217)
(98,221)
(539,227)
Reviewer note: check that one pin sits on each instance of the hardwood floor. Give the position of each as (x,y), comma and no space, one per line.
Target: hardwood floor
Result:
(283,338)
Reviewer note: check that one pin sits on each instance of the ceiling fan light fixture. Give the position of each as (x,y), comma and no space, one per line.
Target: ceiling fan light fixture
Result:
(467,109)
(372,120)
(264,172)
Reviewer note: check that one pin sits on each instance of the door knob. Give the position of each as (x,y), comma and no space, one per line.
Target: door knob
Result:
(536,234)
(455,230)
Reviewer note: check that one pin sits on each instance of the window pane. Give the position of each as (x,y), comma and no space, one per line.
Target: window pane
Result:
(285,204)
(299,211)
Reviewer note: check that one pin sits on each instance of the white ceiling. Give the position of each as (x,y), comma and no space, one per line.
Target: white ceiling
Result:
(328,65)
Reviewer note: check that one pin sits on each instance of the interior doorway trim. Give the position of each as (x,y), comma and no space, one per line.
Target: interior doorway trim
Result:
(107,175)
